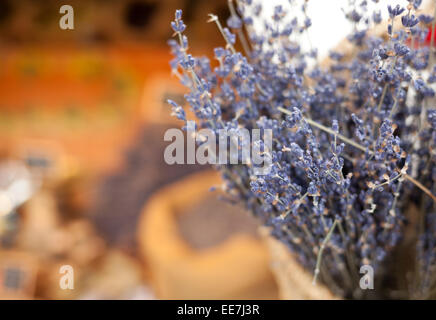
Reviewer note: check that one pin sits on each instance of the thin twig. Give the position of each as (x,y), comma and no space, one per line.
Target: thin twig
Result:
(328,130)
(321,250)
(420,186)
(214,18)
(241,35)
(348,255)
(360,147)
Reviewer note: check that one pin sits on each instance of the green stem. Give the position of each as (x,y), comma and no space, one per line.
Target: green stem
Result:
(393,108)
(321,250)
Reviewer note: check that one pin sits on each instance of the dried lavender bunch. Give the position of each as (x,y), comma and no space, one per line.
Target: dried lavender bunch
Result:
(353,175)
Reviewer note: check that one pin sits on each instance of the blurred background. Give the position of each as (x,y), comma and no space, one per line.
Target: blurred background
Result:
(82,117)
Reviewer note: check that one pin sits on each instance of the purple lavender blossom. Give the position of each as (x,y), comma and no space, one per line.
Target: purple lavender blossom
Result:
(353,152)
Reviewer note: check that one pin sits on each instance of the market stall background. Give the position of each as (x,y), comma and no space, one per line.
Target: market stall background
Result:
(82,117)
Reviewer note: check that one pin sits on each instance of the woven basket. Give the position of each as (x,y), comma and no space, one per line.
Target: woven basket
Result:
(294,282)
(237,268)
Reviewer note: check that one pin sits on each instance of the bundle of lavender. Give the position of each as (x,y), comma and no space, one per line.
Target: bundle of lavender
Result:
(352,176)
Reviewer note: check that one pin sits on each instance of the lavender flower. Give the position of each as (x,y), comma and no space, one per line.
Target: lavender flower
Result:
(409,21)
(395,11)
(177,24)
(353,149)
(177,110)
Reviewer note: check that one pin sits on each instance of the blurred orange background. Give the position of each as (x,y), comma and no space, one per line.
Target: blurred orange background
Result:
(82,117)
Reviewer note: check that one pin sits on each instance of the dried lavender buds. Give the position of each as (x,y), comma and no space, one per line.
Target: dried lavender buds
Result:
(353,154)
